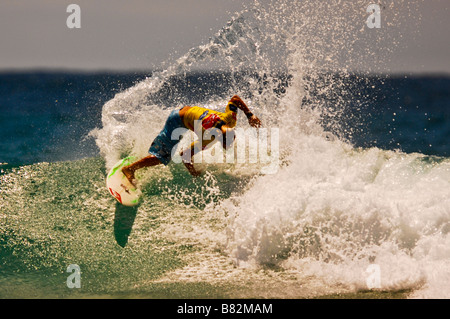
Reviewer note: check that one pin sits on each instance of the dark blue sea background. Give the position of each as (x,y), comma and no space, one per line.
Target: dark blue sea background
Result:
(47,116)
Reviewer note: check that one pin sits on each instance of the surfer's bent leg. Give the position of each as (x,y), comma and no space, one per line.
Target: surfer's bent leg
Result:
(161,147)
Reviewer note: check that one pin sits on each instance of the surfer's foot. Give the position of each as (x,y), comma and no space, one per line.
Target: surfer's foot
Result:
(129,174)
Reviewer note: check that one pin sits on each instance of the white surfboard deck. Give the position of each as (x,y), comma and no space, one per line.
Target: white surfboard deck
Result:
(120,187)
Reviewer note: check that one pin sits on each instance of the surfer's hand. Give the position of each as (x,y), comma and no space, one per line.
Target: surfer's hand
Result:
(187,161)
(254,121)
(192,170)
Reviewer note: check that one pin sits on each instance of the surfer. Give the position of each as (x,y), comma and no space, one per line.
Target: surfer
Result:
(161,149)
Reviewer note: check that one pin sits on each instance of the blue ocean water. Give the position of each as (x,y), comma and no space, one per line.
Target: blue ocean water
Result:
(47,116)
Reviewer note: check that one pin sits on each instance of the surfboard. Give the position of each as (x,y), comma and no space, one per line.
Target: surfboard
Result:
(119,187)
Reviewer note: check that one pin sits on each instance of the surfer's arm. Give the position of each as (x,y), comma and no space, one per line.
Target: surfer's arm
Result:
(253,120)
(228,136)
(188,154)
(198,146)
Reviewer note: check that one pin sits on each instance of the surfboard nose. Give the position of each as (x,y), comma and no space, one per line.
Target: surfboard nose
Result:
(120,187)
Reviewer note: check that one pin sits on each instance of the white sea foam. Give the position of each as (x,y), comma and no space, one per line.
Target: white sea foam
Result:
(335,210)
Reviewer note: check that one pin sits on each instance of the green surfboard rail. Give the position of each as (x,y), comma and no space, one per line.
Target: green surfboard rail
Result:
(114,170)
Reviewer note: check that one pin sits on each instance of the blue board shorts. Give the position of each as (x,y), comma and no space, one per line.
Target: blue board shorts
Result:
(162,145)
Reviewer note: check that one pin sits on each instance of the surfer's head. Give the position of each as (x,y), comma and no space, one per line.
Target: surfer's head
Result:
(231,107)
(229,117)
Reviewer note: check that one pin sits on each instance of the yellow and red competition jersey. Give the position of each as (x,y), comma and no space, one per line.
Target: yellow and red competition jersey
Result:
(210,118)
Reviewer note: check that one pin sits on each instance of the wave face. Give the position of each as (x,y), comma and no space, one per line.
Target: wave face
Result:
(316,226)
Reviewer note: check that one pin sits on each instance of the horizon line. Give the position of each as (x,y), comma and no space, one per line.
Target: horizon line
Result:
(4,71)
